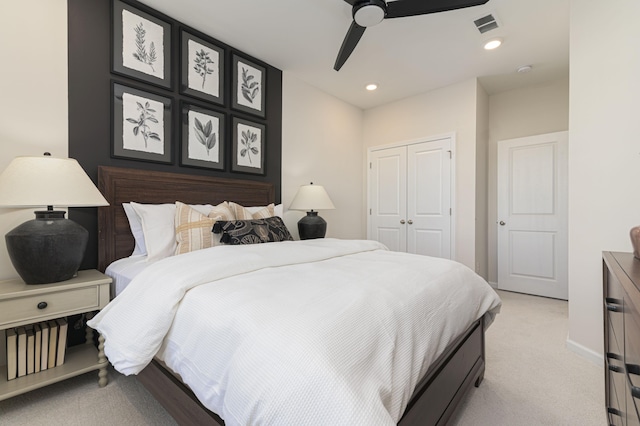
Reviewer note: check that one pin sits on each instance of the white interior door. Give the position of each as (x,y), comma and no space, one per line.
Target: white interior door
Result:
(429,198)
(532,215)
(388,197)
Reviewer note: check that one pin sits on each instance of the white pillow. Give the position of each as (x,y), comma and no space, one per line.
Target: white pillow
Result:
(136,229)
(158,226)
(278,209)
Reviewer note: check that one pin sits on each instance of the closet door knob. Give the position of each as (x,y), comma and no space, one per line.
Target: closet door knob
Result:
(410,222)
(402,222)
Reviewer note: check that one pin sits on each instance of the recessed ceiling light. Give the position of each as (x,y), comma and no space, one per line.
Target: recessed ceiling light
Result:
(371,86)
(493,44)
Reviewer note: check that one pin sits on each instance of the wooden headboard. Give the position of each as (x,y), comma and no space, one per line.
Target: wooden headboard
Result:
(120,185)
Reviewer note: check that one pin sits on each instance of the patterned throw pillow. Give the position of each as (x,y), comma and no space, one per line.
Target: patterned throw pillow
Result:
(193,229)
(252,231)
(243,213)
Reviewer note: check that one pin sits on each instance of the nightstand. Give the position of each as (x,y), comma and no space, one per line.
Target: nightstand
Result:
(22,304)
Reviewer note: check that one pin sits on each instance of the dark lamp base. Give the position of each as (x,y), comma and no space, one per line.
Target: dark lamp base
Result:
(47,249)
(312,226)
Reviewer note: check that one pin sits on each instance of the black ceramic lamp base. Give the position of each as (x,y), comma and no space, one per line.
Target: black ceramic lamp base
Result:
(47,249)
(312,226)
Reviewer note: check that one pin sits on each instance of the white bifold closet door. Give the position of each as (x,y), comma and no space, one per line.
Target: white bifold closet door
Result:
(410,197)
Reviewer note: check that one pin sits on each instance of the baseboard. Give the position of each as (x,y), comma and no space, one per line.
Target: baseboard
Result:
(494,285)
(585,352)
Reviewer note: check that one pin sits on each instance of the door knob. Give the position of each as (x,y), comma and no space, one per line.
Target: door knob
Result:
(410,222)
(402,222)
(502,223)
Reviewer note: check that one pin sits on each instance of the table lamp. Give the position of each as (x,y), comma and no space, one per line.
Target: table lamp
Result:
(49,248)
(311,197)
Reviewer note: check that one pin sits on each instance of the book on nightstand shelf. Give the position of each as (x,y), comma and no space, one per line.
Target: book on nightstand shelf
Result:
(44,353)
(53,339)
(38,349)
(12,354)
(22,351)
(31,350)
(62,340)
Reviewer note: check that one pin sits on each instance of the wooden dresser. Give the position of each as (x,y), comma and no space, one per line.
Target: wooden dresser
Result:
(621,286)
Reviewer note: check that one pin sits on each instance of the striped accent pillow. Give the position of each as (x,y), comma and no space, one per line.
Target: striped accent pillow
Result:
(243,213)
(193,229)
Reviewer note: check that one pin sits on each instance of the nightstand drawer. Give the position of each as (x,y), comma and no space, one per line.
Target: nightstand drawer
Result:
(58,304)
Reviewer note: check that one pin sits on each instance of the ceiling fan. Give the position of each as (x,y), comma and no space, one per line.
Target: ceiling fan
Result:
(367,13)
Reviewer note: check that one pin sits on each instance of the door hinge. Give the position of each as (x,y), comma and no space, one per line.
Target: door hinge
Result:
(370,166)
(450,211)
(369,212)
(450,154)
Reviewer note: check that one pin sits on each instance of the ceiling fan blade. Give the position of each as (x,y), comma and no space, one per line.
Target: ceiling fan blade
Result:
(351,2)
(350,41)
(402,8)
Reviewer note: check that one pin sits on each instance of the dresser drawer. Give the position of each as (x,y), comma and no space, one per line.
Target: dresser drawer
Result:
(58,304)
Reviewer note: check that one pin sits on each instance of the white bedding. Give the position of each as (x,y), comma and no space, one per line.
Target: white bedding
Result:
(306,332)
(122,271)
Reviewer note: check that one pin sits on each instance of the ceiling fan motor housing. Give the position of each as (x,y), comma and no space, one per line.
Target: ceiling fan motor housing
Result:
(368,13)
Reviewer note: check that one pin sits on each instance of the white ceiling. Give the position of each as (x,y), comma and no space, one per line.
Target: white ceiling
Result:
(404,56)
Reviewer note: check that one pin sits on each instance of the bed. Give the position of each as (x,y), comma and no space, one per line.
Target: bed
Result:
(438,391)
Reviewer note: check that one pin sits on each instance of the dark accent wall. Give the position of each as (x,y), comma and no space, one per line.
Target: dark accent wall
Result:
(90,80)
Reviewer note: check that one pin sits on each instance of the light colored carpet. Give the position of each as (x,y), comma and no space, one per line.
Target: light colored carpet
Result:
(531,379)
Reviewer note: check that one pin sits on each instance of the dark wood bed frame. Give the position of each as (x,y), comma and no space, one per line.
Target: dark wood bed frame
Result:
(437,394)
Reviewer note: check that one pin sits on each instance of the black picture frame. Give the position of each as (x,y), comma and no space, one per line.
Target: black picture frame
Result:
(245,74)
(134,51)
(139,109)
(191,68)
(245,159)
(195,133)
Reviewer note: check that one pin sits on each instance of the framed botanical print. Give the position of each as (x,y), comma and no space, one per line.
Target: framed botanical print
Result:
(140,125)
(140,45)
(203,137)
(201,69)
(248,91)
(248,147)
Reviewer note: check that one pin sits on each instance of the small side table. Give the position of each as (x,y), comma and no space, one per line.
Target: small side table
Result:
(21,304)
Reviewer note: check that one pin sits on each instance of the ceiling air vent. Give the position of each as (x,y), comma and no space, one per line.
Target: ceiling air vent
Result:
(486,23)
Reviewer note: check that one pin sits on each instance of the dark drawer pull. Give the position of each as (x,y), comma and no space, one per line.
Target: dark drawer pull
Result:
(633,369)
(635,391)
(616,369)
(614,356)
(613,305)
(42,305)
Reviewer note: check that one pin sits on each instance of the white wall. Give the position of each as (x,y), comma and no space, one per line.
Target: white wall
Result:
(445,110)
(322,143)
(34,107)
(518,113)
(482,146)
(604,153)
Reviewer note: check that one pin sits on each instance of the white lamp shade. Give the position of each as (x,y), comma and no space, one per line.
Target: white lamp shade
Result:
(47,181)
(311,197)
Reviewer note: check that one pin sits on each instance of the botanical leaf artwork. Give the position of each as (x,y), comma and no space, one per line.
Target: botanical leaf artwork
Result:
(249,87)
(204,68)
(204,137)
(205,134)
(248,140)
(141,49)
(143,124)
(202,61)
(142,45)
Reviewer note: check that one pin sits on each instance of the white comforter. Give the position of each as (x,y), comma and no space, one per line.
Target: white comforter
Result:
(326,332)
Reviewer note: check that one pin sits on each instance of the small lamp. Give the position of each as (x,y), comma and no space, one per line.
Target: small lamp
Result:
(49,248)
(312,197)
